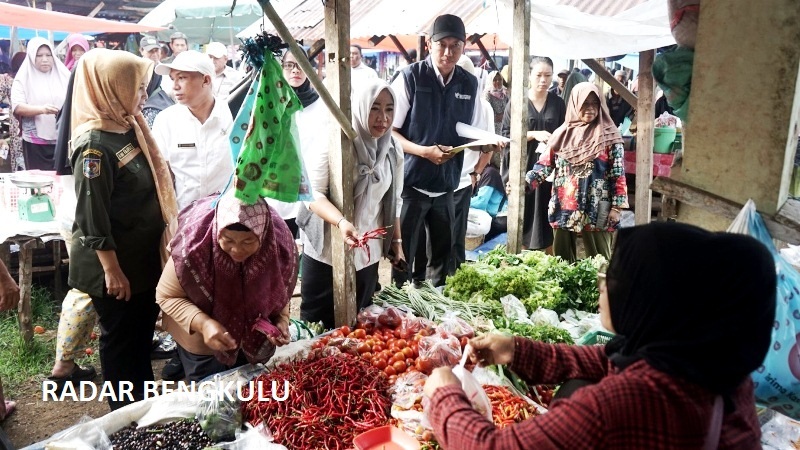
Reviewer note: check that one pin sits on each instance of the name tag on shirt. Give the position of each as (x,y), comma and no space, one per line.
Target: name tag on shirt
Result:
(187,146)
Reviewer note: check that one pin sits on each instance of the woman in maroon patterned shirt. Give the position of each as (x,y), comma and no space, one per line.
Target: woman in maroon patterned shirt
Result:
(693,312)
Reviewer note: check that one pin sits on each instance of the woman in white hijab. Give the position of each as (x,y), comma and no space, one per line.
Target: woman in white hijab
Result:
(377,183)
(37,95)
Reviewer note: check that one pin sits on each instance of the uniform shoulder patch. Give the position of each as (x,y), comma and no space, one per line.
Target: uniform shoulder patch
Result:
(91,164)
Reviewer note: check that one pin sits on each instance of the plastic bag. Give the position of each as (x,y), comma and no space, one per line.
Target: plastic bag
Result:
(456,326)
(412,325)
(220,414)
(479,222)
(777,381)
(86,435)
(368,317)
(471,386)
(408,388)
(439,351)
(543,316)
(514,309)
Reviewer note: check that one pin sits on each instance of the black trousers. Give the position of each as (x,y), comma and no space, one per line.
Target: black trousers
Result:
(197,367)
(126,339)
(438,213)
(39,156)
(316,287)
(461,200)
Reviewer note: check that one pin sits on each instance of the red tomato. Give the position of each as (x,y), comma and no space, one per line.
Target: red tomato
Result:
(410,362)
(89,351)
(93,336)
(408,351)
(377,348)
(379,363)
(464,341)
(402,343)
(367,355)
(345,330)
(393,379)
(337,334)
(38,329)
(389,371)
(360,334)
(424,365)
(363,348)
(399,356)
(399,366)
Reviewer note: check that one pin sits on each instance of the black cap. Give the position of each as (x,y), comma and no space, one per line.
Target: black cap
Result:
(448,25)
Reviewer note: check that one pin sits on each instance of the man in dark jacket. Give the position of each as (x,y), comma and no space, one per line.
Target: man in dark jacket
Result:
(431,97)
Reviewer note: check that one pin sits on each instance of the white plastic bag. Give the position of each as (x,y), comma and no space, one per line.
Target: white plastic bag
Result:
(478,222)
(471,386)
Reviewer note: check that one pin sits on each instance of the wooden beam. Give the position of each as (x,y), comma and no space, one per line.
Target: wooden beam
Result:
(49,7)
(644,138)
(421,53)
(25,318)
(341,158)
(400,47)
(96,9)
(315,48)
(606,76)
(476,39)
(784,226)
(342,118)
(519,124)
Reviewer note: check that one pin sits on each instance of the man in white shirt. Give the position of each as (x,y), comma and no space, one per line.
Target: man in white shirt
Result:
(193,134)
(225,78)
(359,72)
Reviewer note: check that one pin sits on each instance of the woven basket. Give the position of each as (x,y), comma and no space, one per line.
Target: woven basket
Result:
(473,242)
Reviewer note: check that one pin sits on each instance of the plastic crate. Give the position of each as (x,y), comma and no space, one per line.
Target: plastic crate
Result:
(595,338)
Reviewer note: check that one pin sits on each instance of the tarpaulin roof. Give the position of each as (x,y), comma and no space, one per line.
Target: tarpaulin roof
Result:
(40,19)
(573,29)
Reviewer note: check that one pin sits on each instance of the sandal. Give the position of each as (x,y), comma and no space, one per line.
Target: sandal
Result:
(78,374)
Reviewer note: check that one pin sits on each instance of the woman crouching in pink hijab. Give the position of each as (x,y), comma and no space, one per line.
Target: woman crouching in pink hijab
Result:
(226,288)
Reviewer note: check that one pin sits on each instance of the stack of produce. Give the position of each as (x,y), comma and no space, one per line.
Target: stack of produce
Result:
(537,279)
(331,400)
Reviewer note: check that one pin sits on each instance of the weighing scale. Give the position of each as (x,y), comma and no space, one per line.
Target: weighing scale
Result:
(33,204)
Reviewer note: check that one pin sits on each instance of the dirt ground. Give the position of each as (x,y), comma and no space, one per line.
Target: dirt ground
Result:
(36,420)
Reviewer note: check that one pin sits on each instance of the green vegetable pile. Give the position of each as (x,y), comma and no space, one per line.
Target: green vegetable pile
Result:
(545,333)
(537,279)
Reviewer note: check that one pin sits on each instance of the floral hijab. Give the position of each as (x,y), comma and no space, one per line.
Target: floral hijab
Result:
(241,296)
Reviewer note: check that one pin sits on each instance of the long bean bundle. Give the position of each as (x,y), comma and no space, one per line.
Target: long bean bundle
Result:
(426,301)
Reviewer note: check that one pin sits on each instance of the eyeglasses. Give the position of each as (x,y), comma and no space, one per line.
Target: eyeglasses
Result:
(290,66)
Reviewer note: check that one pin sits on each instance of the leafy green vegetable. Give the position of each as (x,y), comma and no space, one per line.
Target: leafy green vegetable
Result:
(544,333)
(537,279)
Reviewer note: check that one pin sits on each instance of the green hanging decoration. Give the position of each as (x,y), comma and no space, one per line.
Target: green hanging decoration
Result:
(269,163)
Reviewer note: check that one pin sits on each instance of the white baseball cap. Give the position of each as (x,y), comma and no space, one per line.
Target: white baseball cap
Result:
(216,49)
(188,61)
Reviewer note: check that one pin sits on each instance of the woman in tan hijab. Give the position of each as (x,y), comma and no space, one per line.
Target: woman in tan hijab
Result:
(125,199)
(589,188)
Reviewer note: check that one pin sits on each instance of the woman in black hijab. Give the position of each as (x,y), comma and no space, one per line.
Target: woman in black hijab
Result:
(693,313)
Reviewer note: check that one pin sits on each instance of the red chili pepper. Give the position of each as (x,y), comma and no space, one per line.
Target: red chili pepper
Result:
(326,402)
(377,233)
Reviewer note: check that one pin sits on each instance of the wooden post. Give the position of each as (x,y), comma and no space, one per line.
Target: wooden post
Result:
(342,118)
(342,158)
(644,137)
(740,136)
(315,48)
(49,7)
(25,280)
(519,124)
(421,53)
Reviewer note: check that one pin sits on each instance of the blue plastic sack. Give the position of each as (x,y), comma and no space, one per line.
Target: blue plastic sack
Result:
(777,381)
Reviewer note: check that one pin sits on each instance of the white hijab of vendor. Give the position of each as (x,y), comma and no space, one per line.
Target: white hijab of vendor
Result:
(43,88)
